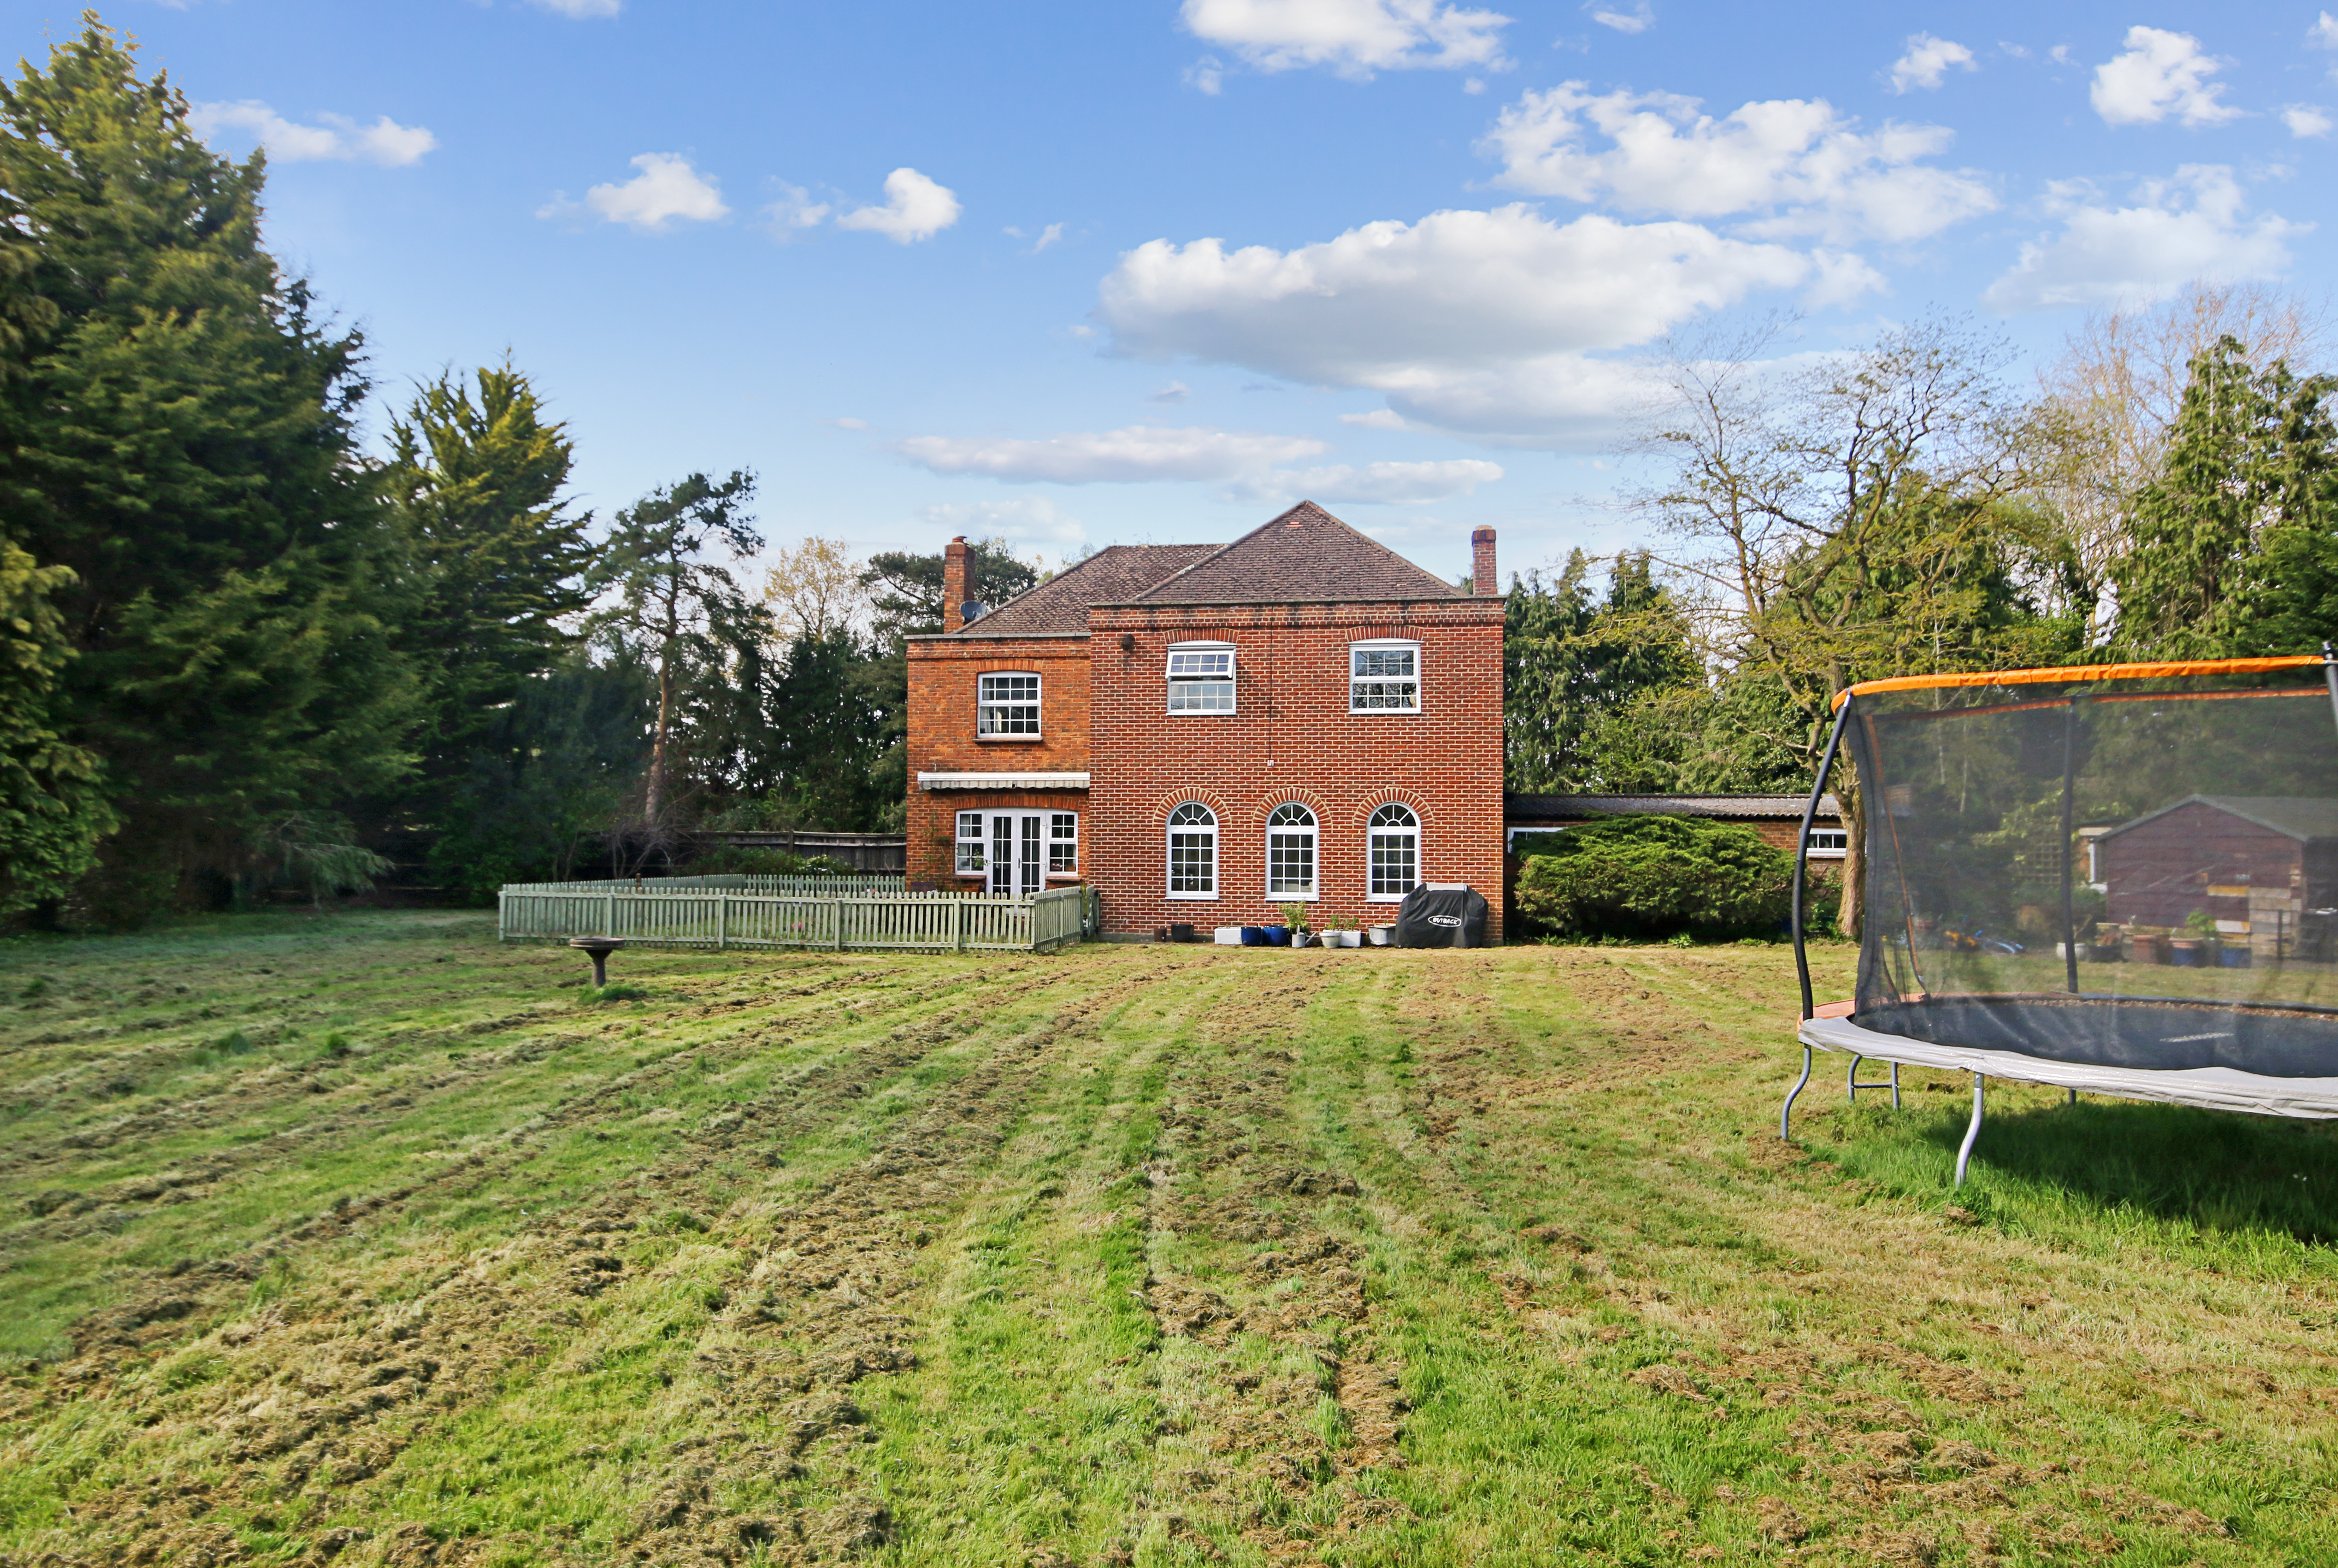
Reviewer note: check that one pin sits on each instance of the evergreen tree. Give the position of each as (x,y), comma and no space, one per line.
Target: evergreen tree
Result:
(1587,682)
(497,563)
(181,439)
(53,807)
(906,590)
(686,618)
(2234,546)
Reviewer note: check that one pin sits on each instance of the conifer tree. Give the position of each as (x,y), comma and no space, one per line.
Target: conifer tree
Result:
(181,439)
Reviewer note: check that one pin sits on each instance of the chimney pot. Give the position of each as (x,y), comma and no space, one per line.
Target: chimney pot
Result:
(954,585)
(1482,579)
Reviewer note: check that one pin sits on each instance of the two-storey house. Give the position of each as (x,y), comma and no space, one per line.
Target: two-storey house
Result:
(1207,732)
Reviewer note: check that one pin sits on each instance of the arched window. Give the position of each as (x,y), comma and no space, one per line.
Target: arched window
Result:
(1395,844)
(1192,852)
(1290,851)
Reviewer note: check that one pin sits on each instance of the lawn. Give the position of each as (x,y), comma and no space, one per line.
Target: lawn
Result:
(361,1238)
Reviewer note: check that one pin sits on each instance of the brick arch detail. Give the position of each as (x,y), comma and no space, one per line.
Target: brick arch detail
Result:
(1307,797)
(1379,798)
(1170,800)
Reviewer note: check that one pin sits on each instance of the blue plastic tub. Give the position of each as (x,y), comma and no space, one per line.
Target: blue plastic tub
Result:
(1253,935)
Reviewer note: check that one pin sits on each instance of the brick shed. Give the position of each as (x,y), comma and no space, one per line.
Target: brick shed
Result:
(1206,733)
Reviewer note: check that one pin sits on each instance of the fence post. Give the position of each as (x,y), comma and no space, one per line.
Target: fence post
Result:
(609,914)
(958,925)
(839,925)
(722,921)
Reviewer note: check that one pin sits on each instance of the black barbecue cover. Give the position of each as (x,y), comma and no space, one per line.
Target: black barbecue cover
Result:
(1441,915)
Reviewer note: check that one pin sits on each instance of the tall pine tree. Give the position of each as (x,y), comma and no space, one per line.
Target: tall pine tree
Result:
(181,439)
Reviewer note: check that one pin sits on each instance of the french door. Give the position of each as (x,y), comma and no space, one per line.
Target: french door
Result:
(1019,851)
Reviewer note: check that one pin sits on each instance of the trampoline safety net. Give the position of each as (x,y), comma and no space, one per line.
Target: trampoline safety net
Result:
(2137,872)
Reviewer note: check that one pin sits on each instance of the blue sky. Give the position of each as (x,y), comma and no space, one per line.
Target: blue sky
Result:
(1144,271)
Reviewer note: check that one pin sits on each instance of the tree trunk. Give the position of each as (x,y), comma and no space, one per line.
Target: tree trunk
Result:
(653,803)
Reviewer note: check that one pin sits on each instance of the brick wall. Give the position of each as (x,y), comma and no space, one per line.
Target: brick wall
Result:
(1293,739)
(943,689)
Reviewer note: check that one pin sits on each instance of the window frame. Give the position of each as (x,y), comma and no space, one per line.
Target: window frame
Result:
(1839,850)
(1169,852)
(1374,827)
(982,708)
(978,843)
(1313,830)
(1173,681)
(1385,645)
(1056,836)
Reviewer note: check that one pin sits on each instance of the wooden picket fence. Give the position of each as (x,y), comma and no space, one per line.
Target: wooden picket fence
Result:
(659,913)
(851,885)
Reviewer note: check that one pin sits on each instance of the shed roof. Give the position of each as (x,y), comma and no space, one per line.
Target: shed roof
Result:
(2298,816)
(1574,807)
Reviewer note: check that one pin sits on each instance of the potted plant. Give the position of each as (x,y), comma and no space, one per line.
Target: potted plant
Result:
(1294,916)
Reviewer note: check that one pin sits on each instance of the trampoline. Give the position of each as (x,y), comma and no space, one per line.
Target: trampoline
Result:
(2120,879)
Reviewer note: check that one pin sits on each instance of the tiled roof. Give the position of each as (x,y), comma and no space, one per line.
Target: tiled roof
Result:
(1573,808)
(1113,575)
(2300,816)
(1304,556)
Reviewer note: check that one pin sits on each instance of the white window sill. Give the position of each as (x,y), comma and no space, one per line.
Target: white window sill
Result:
(1202,712)
(991,740)
(1384,897)
(1828,854)
(1385,712)
(1192,897)
(1293,897)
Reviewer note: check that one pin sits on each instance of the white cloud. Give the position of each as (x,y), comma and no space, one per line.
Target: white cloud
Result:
(1803,166)
(2323,33)
(2161,73)
(2305,120)
(847,422)
(1051,234)
(1207,74)
(1479,321)
(1025,519)
(1928,58)
(1353,37)
(2193,226)
(385,141)
(579,10)
(1176,392)
(1377,419)
(1398,483)
(667,188)
(1638,19)
(915,208)
(793,211)
(1841,278)
(1132,454)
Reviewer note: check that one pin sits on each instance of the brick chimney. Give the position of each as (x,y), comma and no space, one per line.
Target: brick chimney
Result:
(954,585)
(1482,562)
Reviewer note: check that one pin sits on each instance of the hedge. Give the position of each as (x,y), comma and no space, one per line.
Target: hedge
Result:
(1653,877)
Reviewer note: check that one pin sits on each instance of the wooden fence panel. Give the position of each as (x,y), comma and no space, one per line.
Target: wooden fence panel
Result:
(722,916)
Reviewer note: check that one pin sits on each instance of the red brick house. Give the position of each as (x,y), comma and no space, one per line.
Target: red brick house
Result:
(1205,732)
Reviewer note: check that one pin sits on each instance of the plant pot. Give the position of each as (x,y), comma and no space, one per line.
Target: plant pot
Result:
(1227,935)
(1344,938)
(1383,935)
(1278,936)
(1182,933)
(1253,935)
(2185,953)
(2232,957)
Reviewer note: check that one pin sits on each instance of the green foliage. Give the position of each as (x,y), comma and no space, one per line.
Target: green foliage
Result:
(52,804)
(546,777)
(474,486)
(2234,547)
(1653,877)
(316,850)
(686,618)
(1583,678)
(905,589)
(731,860)
(180,437)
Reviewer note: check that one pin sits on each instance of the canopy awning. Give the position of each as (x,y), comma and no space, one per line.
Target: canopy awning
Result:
(1002,781)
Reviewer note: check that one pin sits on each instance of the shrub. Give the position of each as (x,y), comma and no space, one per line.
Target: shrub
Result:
(731,860)
(1654,876)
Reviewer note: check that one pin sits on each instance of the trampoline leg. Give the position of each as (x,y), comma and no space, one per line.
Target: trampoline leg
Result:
(1964,1149)
(1895,1085)
(1788,1107)
(2074,1096)
(1851,1080)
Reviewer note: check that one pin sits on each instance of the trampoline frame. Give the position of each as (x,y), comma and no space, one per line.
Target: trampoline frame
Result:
(1815,1031)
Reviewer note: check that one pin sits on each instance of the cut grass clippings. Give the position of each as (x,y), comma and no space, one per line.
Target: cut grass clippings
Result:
(361,1238)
